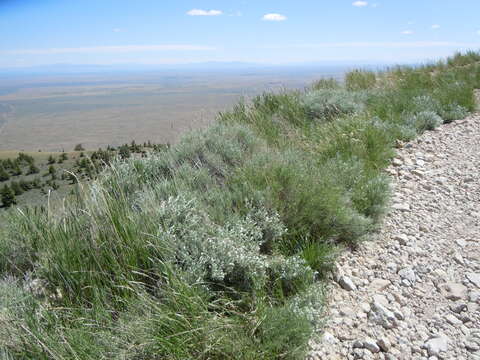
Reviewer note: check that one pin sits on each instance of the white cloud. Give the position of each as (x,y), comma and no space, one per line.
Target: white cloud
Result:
(435,26)
(407,32)
(200,12)
(117,30)
(107,49)
(274,17)
(360,3)
(478,32)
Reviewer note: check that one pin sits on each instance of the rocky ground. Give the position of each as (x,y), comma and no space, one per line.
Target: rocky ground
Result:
(414,292)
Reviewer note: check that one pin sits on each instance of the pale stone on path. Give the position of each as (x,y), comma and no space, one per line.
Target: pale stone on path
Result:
(346,283)
(453,291)
(437,345)
(378,285)
(474,278)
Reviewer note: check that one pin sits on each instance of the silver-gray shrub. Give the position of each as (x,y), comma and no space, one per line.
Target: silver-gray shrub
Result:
(327,104)
(310,303)
(424,120)
(201,160)
(229,254)
(454,112)
(426,103)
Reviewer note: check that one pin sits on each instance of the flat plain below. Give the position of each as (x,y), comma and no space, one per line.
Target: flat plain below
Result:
(56,112)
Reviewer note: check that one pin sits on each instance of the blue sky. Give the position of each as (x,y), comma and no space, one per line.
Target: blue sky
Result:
(40,32)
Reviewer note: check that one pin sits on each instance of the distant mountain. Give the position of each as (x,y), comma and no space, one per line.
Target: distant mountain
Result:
(203,66)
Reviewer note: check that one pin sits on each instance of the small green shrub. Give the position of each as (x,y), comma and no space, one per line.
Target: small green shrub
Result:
(360,80)
(322,84)
(463,59)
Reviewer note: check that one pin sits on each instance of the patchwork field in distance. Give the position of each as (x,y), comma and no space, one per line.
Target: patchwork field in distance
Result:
(56,112)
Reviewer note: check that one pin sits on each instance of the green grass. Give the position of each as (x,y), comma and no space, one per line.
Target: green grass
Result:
(218,247)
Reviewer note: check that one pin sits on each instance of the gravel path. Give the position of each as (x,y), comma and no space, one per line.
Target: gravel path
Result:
(414,293)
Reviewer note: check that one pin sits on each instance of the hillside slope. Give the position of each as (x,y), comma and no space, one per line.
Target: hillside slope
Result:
(424,267)
(220,247)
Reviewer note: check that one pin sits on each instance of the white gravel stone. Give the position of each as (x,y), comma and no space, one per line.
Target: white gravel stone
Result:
(384,344)
(346,283)
(371,345)
(474,278)
(401,206)
(408,274)
(453,291)
(436,345)
(378,285)
(402,239)
(382,316)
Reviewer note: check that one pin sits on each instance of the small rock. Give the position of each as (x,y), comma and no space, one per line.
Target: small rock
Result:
(329,338)
(423,228)
(357,344)
(382,316)
(399,299)
(475,356)
(452,320)
(474,278)
(458,308)
(381,299)
(346,283)
(418,173)
(471,346)
(365,307)
(378,285)
(401,206)
(391,266)
(347,312)
(408,274)
(398,314)
(472,307)
(397,162)
(441,180)
(371,345)
(458,258)
(453,291)
(461,242)
(474,296)
(436,345)
(402,239)
(384,344)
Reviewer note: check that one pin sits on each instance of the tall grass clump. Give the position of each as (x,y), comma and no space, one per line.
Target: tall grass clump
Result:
(218,247)
(360,80)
